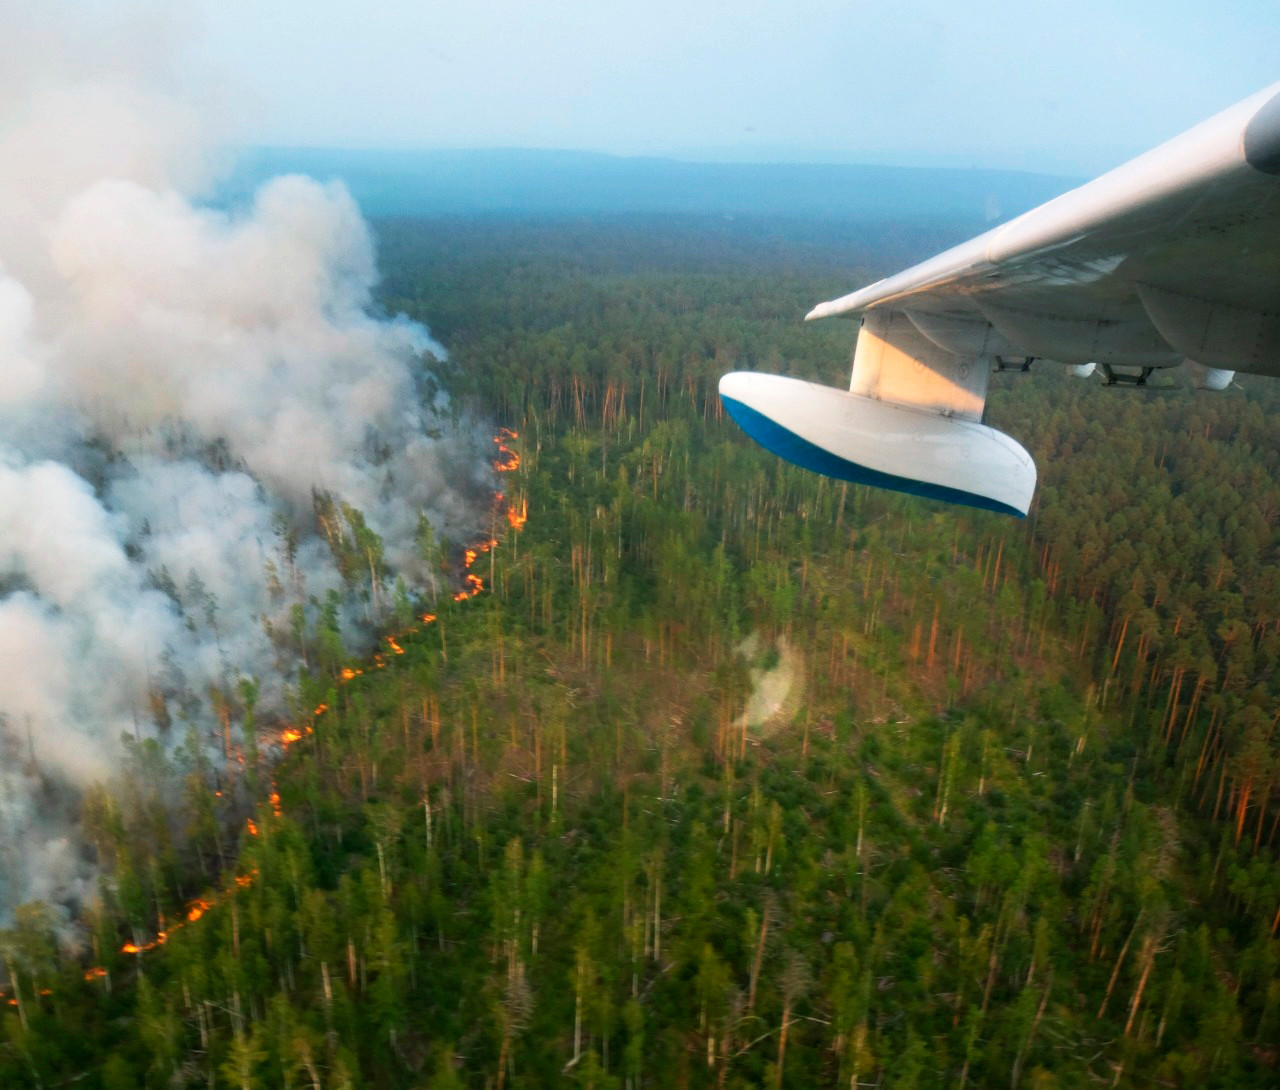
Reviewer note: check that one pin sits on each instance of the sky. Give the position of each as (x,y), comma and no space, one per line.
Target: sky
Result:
(1051,86)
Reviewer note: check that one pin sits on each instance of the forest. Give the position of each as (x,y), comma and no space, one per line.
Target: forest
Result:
(710,772)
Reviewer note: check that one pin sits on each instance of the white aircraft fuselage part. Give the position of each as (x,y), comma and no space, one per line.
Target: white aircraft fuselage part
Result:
(1172,257)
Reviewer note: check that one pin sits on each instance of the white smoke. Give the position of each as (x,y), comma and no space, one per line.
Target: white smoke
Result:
(177,383)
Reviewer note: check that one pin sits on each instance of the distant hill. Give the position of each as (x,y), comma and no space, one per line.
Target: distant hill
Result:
(432,183)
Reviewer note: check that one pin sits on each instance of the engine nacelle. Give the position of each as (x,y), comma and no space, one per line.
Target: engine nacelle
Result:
(862,439)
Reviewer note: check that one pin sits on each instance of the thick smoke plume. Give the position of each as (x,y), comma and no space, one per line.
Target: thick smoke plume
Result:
(182,389)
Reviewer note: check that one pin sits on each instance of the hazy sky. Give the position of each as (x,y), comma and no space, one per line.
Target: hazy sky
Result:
(1051,85)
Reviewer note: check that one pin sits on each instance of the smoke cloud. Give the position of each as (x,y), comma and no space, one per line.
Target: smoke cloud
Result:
(177,383)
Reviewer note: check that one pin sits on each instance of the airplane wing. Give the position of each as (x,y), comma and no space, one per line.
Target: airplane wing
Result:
(1172,259)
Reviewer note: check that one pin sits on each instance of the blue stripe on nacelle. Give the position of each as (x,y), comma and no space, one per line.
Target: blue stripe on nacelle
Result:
(786,444)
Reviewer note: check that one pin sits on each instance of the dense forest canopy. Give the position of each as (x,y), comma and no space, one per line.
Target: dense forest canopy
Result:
(732,775)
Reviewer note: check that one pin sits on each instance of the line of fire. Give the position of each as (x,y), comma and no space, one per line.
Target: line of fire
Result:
(507,461)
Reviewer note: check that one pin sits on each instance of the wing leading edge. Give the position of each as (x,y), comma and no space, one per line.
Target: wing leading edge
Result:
(1172,258)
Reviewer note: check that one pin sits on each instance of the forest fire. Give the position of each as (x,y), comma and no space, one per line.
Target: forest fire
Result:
(474,585)
(42,992)
(508,462)
(195,910)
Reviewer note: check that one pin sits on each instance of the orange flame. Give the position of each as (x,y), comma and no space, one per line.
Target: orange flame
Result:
(474,586)
(518,518)
(290,735)
(195,910)
(509,461)
(394,646)
(251,826)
